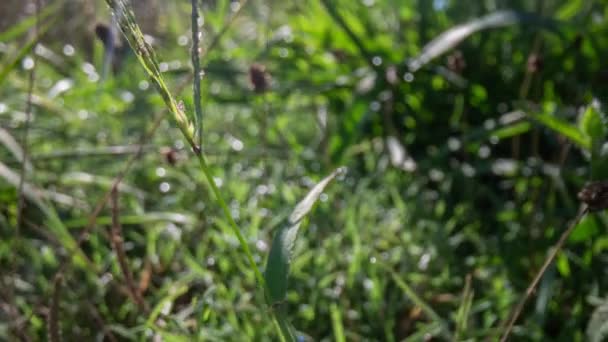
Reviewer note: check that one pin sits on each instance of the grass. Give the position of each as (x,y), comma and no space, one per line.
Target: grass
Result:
(461,178)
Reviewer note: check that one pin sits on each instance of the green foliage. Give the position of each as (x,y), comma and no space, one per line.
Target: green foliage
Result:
(465,166)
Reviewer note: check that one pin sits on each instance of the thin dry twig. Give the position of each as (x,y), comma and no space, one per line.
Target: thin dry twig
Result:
(54,335)
(558,246)
(145,276)
(118,244)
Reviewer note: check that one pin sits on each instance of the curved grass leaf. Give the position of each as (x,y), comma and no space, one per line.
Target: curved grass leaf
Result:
(593,122)
(106,183)
(452,37)
(13,146)
(564,128)
(281,251)
(37,195)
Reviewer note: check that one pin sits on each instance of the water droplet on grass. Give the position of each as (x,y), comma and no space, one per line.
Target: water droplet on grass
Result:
(164,187)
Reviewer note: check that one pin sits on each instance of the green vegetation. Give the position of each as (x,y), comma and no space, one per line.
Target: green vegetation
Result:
(456,137)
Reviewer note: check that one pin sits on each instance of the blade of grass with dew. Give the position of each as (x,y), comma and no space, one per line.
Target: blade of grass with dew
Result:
(281,251)
(13,146)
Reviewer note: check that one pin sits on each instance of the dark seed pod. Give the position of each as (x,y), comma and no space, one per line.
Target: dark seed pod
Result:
(340,55)
(259,78)
(170,155)
(104,33)
(456,62)
(595,195)
(535,63)
(113,45)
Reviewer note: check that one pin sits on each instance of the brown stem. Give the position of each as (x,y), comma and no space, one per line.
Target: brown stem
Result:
(118,244)
(54,334)
(558,246)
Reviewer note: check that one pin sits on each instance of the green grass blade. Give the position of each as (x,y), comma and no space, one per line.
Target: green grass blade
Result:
(464,310)
(281,251)
(564,128)
(336,323)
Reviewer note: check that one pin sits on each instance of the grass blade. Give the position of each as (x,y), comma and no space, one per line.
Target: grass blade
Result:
(564,128)
(452,37)
(336,323)
(462,315)
(281,251)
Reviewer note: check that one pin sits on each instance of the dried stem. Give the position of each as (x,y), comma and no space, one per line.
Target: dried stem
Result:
(558,246)
(118,244)
(54,335)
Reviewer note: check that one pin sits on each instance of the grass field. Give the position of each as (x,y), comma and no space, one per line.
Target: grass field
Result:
(311,170)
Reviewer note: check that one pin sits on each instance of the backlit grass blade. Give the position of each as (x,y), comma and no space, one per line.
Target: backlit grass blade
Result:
(281,251)
(452,37)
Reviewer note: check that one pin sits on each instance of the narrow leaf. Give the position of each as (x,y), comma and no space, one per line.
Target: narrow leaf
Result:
(452,37)
(564,128)
(281,252)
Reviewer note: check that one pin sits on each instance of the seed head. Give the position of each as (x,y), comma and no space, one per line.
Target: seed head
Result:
(259,78)
(595,195)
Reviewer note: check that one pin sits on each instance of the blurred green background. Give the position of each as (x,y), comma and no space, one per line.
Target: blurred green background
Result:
(467,128)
